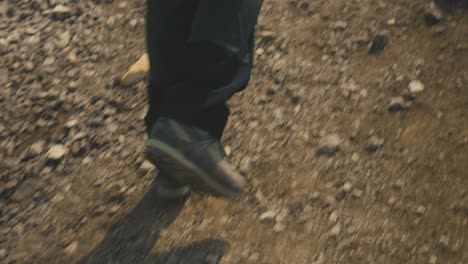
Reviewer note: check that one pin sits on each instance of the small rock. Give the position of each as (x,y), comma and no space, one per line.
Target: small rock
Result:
(64,39)
(433,260)
(329,145)
(315,196)
(254,258)
(416,87)
(391,201)
(355,157)
(56,152)
(358,193)
(333,217)
(444,241)
(391,21)
(420,210)
(228,150)
(48,61)
(137,72)
(379,43)
(281,215)
(38,147)
(70,249)
(114,209)
(398,104)
(72,58)
(335,231)
(340,25)
(433,14)
(261,198)
(279,227)
(61,12)
(244,166)
(296,208)
(147,166)
(71,123)
(3,253)
(29,66)
(267,216)
(347,187)
(26,190)
(374,143)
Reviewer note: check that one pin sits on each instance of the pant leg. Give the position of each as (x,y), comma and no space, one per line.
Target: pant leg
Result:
(200,54)
(168,26)
(219,59)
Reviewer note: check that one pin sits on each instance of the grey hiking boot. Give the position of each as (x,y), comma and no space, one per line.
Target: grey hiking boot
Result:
(193,157)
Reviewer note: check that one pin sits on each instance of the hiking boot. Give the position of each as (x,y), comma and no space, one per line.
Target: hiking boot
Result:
(193,157)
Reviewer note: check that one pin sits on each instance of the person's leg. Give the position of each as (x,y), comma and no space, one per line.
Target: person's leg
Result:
(168,26)
(186,138)
(220,57)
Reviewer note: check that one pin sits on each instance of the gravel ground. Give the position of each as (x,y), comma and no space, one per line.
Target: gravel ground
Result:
(353,136)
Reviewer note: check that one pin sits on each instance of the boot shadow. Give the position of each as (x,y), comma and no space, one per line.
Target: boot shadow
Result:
(131,239)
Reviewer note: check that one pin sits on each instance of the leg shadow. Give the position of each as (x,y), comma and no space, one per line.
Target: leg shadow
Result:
(131,239)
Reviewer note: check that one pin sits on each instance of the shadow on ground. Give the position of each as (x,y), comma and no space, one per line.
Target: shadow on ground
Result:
(131,239)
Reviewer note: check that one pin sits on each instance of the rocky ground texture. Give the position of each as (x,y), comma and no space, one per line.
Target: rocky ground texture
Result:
(353,136)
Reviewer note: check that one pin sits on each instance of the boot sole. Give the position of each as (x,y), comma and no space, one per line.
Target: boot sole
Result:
(164,155)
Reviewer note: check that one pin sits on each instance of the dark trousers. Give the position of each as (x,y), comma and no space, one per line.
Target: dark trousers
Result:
(201,53)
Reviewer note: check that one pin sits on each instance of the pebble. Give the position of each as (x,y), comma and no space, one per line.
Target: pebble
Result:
(398,104)
(333,217)
(261,198)
(281,215)
(48,61)
(64,39)
(56,152)
(340,25)
(61,12)
(374,143)
(355,157)
(433,14)
(114,209)
(29,66)
(38,147)
(26,190)
(3,253)
(137,72)
(358,193)
(70,249)
(379,43)
(347,187)
(416,87)
(315,196)
(329,145)
(433,260)
(420,210)
(444,241)
(279,227)
(244,166)
(335,231)
(147,166)
(267,216)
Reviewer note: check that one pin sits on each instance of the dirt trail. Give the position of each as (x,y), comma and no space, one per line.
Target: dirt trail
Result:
(390,184)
